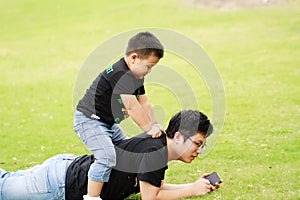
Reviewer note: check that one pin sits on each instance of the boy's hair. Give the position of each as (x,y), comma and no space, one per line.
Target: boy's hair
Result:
(188,123)
(145,44)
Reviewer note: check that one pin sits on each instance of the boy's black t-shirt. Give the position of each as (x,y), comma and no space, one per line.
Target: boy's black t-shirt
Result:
(140,158)
(102,100)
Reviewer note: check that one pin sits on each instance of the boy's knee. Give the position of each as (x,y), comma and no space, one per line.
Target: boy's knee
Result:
(107,157)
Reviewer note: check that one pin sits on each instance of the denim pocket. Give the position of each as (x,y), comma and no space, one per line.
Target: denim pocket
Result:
(38,183)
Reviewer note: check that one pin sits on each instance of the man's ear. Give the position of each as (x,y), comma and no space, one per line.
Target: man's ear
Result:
(178,137)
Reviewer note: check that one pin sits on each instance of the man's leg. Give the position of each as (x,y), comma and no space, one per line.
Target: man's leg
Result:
(41,182)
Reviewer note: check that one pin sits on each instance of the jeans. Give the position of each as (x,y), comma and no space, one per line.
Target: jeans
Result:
(99,138)
(41,182)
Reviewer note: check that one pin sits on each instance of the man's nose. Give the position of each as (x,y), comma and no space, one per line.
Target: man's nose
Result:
(199,151)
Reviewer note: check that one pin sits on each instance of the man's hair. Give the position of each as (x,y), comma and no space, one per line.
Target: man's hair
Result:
(188,123)
(145,44)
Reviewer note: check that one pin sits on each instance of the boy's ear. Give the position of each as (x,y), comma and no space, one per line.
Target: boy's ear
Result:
(133,57)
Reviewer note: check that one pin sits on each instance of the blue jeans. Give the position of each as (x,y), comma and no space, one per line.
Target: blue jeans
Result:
(99,138)
(42,182)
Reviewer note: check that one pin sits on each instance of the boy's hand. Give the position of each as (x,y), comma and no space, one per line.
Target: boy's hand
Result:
(159,126)
(155,131)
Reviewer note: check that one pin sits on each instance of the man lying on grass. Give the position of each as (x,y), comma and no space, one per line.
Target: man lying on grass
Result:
(141,164)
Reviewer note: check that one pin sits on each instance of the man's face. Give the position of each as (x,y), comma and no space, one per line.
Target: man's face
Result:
(192,147)
(141,67)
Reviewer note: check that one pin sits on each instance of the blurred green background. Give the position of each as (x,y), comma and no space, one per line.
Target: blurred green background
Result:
(43,45)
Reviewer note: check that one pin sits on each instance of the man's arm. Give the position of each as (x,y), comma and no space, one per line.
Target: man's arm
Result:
(174,191)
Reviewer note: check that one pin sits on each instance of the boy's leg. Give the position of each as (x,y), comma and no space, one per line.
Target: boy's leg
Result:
(118,134)
(94,188)
(105,158)
(96,136)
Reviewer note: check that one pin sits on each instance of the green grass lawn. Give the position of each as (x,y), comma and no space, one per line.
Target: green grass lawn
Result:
(256,51)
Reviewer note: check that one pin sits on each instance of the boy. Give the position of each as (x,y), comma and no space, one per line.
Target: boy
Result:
(118,92)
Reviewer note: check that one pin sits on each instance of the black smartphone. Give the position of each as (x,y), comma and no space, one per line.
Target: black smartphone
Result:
(213,178)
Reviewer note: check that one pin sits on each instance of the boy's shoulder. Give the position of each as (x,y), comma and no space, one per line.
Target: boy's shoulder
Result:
(118,67)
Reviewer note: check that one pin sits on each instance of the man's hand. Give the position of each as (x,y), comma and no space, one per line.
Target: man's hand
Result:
(201,187)
(216,186)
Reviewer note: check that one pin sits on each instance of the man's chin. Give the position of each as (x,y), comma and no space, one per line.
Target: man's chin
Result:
(187,160)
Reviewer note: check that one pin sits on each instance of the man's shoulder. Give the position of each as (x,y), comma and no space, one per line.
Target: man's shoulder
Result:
(141,153)
(142,143)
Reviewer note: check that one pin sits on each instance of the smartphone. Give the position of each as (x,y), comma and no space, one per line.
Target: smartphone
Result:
(213,178)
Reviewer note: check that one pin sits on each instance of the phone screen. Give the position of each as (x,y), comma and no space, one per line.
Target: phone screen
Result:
(213,178)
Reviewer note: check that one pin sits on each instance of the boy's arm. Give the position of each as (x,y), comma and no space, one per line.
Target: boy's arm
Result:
(157,128)
(143,100)
(136,112)
(175,191)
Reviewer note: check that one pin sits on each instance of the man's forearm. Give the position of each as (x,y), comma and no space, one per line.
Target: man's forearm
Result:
(166,191)
(175,191)
(168,186)
(172,192)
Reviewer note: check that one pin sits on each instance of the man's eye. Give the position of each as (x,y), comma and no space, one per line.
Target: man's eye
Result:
(198,144)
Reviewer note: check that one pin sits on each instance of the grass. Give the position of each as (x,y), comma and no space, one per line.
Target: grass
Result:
(256,51)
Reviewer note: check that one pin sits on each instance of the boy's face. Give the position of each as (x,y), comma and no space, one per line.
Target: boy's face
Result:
(140,67)
(190,147)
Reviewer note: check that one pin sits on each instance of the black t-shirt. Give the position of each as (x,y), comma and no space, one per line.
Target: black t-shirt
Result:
(103,97)
(140,158)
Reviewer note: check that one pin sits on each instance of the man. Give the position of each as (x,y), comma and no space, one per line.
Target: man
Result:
(141,165)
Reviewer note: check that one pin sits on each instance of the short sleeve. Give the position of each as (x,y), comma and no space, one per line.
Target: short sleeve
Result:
(154,178)
(140,90)
(126,84)
(152,166)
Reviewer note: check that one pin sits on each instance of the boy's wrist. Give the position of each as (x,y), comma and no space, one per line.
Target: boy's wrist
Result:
(154,131)
(147,127)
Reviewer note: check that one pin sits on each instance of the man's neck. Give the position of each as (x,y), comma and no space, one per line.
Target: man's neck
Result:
(172,155)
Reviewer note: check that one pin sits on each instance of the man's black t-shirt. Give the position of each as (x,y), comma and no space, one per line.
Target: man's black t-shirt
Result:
(102,100)
(140,158)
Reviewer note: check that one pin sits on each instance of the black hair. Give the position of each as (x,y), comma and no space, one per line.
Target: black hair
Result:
(188,123)
(145,44)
